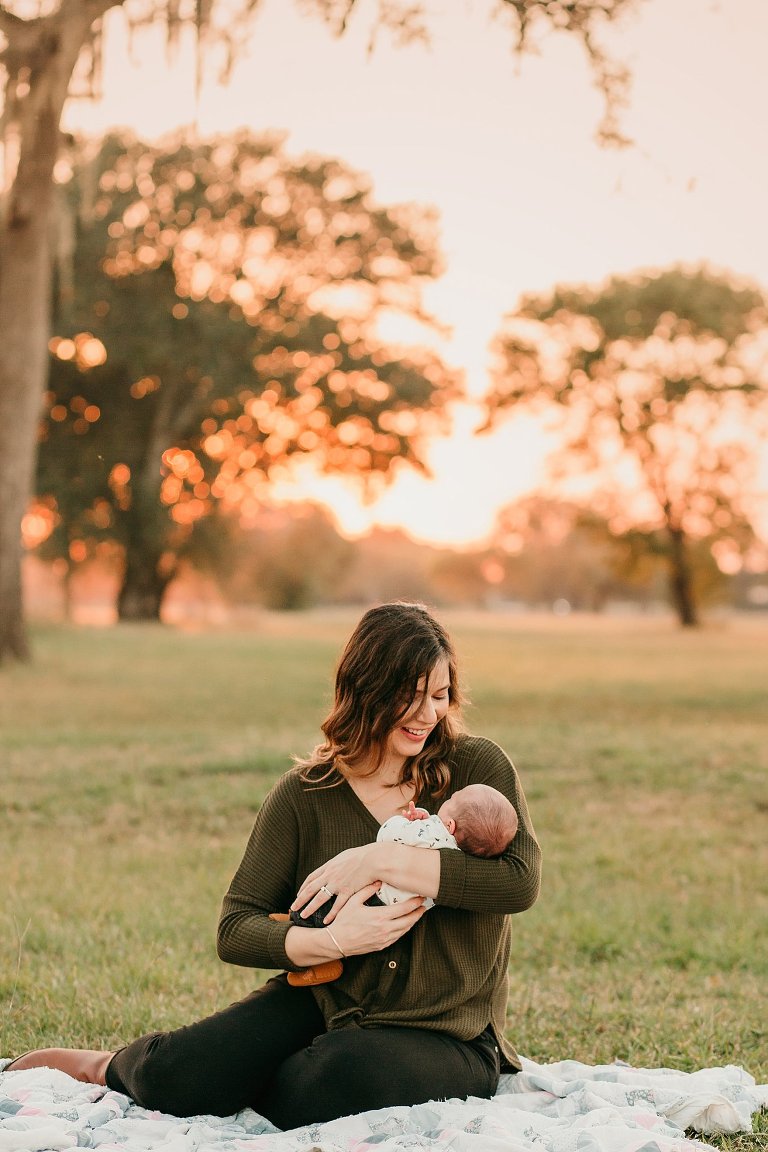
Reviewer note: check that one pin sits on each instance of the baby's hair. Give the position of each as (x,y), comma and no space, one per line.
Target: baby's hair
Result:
(488,822)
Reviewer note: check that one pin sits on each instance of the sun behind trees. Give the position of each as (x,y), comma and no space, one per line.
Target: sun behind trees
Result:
(661,385)
(218,321)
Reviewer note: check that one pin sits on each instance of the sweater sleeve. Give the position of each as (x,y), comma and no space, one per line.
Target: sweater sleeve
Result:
(508,883)
(262,884)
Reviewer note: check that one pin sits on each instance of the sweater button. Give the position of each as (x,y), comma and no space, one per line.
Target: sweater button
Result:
(392,964)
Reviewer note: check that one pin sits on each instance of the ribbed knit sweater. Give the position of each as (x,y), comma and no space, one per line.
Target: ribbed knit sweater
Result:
(449,973)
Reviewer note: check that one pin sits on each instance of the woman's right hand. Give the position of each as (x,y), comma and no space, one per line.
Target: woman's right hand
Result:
(360,928)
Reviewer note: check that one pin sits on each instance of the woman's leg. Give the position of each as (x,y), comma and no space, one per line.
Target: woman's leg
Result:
(353,1069)
(221,1064)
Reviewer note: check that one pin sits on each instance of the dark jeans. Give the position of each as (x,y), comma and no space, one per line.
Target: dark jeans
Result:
(271,1052)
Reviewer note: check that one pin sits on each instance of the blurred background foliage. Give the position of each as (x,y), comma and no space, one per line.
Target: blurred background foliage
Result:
(657,385)
(546,555)
(218,312)
(217,317)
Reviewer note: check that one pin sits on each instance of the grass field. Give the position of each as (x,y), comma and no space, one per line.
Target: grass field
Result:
(134,759)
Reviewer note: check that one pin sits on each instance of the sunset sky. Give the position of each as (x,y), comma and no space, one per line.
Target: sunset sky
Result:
(506,150)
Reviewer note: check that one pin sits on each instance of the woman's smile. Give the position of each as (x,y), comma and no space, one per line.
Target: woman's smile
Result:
(429,706)
(415,733)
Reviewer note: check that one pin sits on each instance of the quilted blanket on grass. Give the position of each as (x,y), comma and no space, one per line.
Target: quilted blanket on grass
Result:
(561,1107)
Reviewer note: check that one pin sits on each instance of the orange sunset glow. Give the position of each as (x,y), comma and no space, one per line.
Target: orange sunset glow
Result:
(505,150)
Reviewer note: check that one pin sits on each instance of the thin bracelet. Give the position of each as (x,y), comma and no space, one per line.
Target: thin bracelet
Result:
(334,940)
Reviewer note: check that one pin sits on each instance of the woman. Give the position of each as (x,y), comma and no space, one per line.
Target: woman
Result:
(418,1012)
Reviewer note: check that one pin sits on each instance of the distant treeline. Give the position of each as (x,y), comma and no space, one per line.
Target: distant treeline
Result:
(545,555)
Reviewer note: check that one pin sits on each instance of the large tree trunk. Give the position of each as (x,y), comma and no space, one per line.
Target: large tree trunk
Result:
(681,580)
(24,292)
(48,48)
(150,564)
(143,588)
(25,281)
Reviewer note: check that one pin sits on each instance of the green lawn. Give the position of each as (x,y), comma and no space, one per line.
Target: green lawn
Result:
(134,759)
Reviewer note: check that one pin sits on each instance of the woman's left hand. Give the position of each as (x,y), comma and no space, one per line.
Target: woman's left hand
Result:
(341,876)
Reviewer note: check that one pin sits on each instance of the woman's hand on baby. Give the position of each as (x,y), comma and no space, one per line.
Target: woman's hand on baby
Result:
(341,876)
(360,928)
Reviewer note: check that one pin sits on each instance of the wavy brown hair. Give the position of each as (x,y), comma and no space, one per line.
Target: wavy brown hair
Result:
(390,650)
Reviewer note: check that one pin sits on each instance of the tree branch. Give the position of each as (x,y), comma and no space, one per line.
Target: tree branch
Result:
(20,34)
(74,9)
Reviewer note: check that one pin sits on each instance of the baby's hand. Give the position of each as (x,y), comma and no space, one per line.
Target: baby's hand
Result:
(414,813)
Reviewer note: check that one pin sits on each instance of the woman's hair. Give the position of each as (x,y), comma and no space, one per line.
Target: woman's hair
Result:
(390,650)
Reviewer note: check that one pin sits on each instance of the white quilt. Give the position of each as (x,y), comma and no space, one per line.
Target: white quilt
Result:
(562,1107)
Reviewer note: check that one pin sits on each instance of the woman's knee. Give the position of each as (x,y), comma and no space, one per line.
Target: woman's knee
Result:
(153,1072)
(354,1070)
(219,1064)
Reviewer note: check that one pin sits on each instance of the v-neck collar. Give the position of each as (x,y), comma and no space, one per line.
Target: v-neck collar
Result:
(357,802)
(423,802)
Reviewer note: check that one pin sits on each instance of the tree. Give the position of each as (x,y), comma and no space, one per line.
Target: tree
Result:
(292,558)
(551,550)
(660,381)
(386,565)
(222,322)
(52,48)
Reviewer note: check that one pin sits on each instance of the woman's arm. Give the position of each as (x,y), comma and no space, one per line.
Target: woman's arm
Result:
(412,869)
(357,930)
(507,884)
(262,884)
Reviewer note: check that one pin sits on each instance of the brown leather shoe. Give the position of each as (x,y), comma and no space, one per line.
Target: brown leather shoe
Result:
(317,974)
(80,1063)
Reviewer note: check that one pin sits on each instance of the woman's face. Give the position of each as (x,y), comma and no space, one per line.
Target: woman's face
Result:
(428,707)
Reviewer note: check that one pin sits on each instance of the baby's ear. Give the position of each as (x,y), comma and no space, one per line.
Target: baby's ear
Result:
(451,825)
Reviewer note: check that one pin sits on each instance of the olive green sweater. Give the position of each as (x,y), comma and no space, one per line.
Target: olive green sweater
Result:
(449,973)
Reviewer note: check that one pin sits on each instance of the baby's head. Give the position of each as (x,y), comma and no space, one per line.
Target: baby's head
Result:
(481,818)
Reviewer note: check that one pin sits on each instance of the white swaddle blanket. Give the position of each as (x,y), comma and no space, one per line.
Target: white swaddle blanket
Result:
(561,1107)
(428,833)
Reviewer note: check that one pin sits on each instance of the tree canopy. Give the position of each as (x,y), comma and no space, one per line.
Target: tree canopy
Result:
(51,49)
(660,383)
(219,320)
